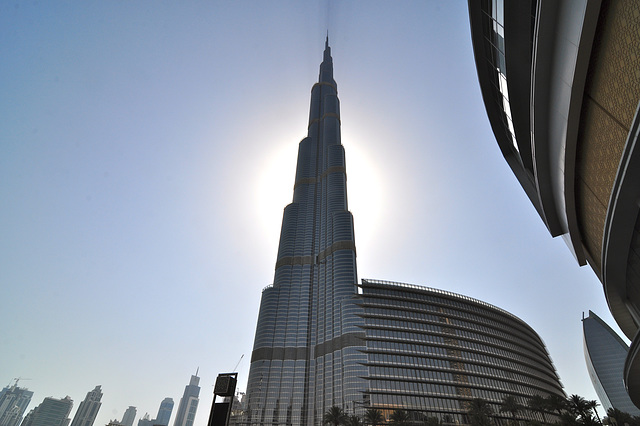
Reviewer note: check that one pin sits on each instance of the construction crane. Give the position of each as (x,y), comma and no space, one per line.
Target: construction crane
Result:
(234,368)
(17,379)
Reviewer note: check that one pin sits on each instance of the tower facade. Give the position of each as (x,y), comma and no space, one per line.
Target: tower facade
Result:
(188,403)
(164,412)
(88,409)
(561,88)
(605,353)
(307,354)
(51,412)
(129,416)
(430,352)
(13,403)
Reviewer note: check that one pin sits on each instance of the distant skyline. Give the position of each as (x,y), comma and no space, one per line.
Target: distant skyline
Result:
(140,145)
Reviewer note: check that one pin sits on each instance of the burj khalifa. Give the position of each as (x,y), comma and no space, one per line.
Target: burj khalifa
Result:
(308,349)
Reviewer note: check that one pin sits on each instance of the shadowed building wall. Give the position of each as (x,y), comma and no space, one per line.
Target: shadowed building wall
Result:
(561,86)
(431,351)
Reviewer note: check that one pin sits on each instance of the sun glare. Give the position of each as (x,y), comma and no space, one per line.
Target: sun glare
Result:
(364,188)
(275,188)
(365,193)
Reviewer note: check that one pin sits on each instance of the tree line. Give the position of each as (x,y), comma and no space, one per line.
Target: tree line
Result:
(553,410)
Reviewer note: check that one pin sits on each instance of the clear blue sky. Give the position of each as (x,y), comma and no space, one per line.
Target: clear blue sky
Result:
(148,149)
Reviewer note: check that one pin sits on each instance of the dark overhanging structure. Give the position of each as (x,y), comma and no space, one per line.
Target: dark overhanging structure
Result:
(561,87)
(323,339)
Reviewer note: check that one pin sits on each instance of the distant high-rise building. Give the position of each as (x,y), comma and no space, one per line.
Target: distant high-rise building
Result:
(164,412)
(129,416)
(13,404)
(561,87)
(188,403)
(51,412)
(88,409)
(145,420)
(323,340)
(605,353)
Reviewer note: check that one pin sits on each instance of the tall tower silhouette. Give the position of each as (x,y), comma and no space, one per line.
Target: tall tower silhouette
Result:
(307,354)
(188,403)
(88,409)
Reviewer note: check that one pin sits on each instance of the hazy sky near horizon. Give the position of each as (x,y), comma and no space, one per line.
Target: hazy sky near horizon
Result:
(148,149)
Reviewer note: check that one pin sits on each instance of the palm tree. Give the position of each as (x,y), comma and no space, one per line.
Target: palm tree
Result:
(479,412)
(578,406)
(399,417)
(447,419)
(618,417)
(373,417)
(556,403)
(538,404)
(335,416)
(510,405)
(592,404)
(568,419)
(353,421)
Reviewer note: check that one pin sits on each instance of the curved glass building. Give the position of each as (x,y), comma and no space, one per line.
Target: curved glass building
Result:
(322,340)
(561,87)
(605,353)
(431,351)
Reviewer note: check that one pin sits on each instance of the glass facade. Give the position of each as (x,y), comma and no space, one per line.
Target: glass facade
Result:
(188,403)
(430,351)
(308,352)
(51,412)
(164,412)
(494,23)
(13,403)
(605,354)
(88,409)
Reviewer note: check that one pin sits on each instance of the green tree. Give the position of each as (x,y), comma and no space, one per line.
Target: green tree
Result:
(373,417)
(510,405)
(579,407)
(335,416)
(538,404)
(556,403)
(353,421)
(568,419)
(479,412)
(592,404)
(399,418)
(447,419)
(618,417)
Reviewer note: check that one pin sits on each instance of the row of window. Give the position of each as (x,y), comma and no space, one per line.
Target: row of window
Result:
(464,327)
(453,315)
(459,331)
(462,343)
(415,365)
(405,349)
(479,309)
